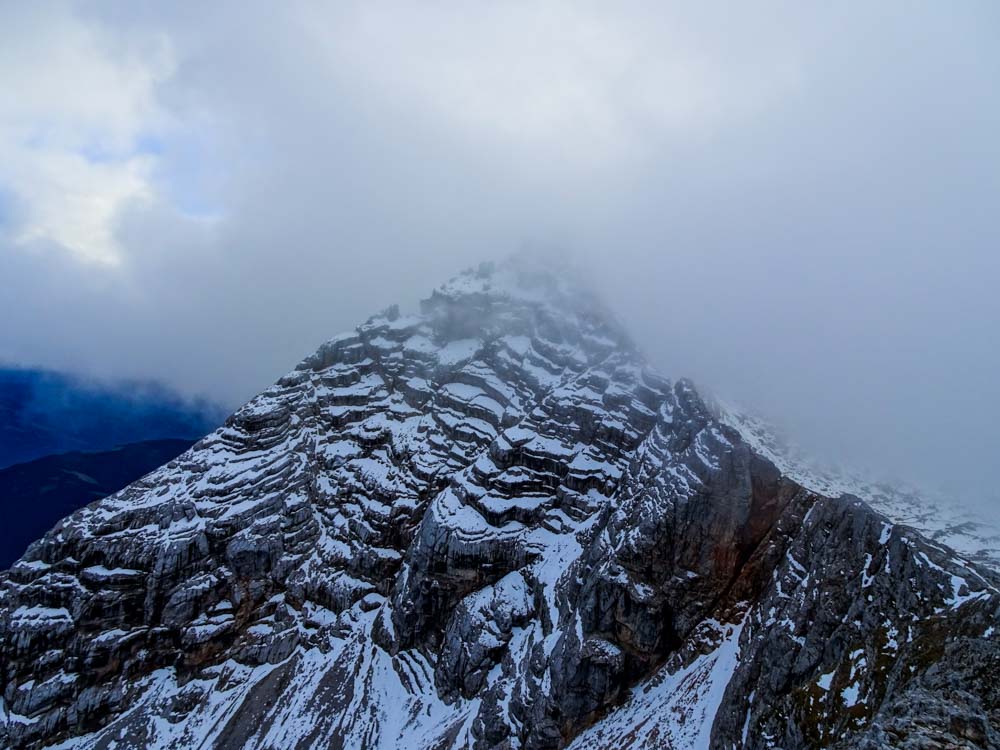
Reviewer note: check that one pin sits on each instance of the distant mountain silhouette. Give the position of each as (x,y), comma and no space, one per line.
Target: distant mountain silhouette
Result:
(44,412)
(37,494)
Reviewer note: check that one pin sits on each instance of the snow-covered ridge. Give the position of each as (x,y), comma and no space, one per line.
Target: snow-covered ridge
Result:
(944,519)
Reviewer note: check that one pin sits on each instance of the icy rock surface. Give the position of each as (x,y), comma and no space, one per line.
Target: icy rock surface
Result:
(489,525)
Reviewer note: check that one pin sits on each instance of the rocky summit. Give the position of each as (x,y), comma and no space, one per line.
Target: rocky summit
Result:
(491,525)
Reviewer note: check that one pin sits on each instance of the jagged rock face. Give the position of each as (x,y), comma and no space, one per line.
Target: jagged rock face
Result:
(490,525)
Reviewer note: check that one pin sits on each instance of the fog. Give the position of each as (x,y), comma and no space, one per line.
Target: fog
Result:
(798,206)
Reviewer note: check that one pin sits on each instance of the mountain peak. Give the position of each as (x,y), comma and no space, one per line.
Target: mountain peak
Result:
(505,305)
(489,525)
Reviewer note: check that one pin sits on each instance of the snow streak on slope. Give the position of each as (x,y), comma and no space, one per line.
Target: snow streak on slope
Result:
(673,709)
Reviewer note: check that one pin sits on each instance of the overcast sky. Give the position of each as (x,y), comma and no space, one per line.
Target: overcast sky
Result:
(797,204)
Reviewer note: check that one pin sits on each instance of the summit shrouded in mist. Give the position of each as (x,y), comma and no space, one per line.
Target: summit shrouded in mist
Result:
(795,206)
(490,524)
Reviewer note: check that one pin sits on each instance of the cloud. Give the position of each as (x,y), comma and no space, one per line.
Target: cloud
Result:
(794,204)
(569,81)
(70,140)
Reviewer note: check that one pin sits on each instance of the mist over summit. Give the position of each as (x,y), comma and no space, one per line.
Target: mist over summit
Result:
(795,207)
